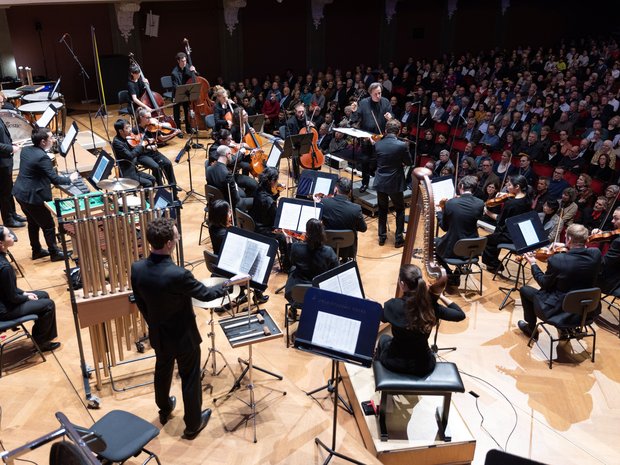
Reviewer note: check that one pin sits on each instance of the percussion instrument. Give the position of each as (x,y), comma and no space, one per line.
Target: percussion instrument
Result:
(41,97)
(19,128)
(13,96)
(219,301)
(33,110)
(118,184)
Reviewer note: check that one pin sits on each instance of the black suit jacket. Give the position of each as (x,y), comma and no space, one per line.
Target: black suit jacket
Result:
(36,173)
(609,279)
(459,219)
(6,146)
(306,264)
(576,269)
(219,176)
(392,154)
(126,156)
(164,294)
(340,213)
(10,295)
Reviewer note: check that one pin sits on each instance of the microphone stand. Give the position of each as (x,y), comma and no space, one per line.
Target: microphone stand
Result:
(85,76)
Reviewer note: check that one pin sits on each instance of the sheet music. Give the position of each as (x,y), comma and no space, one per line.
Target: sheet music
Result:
(289,219)
(274,156)
(306,214)
(243,255)
(336,332)
(529,233)
(443,190)
(353,132)
(322,186)
(69,139)
(346,282)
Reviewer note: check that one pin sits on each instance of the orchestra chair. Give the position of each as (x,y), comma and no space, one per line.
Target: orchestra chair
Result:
(583,302)
(166,84)
(244,220)
(211,262)
(17,266)
(126,109)
(442,381)
(125,435)
(211,193)
(611,301)
(510,257)
(21,331)
(210,123)
(472,249)
(598,186)
(298,293)
(339,239)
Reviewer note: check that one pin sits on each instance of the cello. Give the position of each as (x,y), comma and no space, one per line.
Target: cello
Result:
(314,159)
(203,106)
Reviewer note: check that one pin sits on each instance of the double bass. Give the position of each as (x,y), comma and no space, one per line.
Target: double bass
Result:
(204,105)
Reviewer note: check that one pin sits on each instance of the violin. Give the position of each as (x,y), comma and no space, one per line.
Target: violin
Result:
(499,199)
(544,253)
(278,188)
(294,234)
(136,140)
(604,236)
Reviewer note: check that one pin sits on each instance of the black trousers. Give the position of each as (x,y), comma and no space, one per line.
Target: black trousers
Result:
(368,162)
(531,310)
(7,204)
(44,329)
(176,114)
(158,164)
(40,218)
(490,256)
(383,201)
(189,371)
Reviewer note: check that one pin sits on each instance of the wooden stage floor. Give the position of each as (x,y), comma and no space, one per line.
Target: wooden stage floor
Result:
(567,415)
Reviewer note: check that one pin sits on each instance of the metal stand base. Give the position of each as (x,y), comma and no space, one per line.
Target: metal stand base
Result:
(331,389)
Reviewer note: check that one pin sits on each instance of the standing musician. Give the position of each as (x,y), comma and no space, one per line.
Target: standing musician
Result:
(295,124)
(10,218)
(516,204)
(163,293)
(392,155)
(576,269)
(32,189)
(372,113)
(460,219)
(413,317)
(609,278)
(127,156)
(180,75)
(151,157)
(136,87)
(222,111)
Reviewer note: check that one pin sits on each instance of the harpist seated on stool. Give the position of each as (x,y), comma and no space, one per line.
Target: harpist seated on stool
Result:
(412,317)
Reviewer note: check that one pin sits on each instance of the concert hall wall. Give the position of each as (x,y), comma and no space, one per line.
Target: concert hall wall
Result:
(273,36)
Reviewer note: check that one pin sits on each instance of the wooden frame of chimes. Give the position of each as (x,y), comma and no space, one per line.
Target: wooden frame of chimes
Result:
(107,238)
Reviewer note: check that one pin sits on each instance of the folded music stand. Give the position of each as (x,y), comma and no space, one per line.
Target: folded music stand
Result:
(356,134)
(294,146)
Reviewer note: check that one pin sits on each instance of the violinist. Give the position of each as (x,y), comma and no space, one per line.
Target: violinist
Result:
(218,175)
(180,75)
(151,157)
(136,87)
(127,156)
(520,203)
(222,111)
(574,270)
(372,113)
(609,277)
(551,221)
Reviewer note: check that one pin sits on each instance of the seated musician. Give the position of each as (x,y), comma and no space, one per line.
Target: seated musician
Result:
(152,158)
(136,87)
(609,278)
(576,269)
(220,219)
(264,210)
(460,220)
(340,213)
(517,204)
(15,303)
(127,156)
(413,317)
(222,110)
(220,176)
(309,258)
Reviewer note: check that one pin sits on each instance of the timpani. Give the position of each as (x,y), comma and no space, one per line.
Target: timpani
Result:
(34,110)
(13,96)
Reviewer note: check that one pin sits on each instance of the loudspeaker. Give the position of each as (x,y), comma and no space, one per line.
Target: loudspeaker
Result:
(115,75)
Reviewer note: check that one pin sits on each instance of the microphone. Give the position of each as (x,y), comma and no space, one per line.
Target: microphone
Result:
(238,279)
(183,150)
(64,36)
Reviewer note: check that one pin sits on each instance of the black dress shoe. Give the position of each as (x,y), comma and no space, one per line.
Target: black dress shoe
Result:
(260,298)
(399,244)
(14,224)
(525,329)
(41,253)
(57,256)
(363,189)
(18,217)
(49,346)
(164,417)
(382,241)
(204,419)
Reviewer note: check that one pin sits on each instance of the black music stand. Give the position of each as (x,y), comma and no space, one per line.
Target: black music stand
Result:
(294,146)
(189,93)
(67,144)
(344,329)
(356,134)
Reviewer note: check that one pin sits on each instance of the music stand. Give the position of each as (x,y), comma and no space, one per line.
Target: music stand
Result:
(315,182)
(67,144)
(344,329)
(355,134)
(294,146)
(293,214)
(189,93)
(46,118)
(257,122)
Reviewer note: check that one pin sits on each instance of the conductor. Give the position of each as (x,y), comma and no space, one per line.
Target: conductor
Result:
(163,293)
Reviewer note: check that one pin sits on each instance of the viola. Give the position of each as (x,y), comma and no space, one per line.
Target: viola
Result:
(604,236)
(499,199)
(204,105)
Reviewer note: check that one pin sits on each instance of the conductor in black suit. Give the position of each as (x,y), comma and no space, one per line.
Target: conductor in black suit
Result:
(576,269)
(10,218)
(127,156)
(163,293)
(460,220)
(340,213)
(609,278)
(392,155)
(32,189)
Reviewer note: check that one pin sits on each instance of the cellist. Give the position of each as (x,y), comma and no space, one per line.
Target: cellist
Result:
(293,125)
(180,75)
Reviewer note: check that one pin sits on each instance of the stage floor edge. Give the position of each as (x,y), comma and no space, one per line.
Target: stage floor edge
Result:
(414,441)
